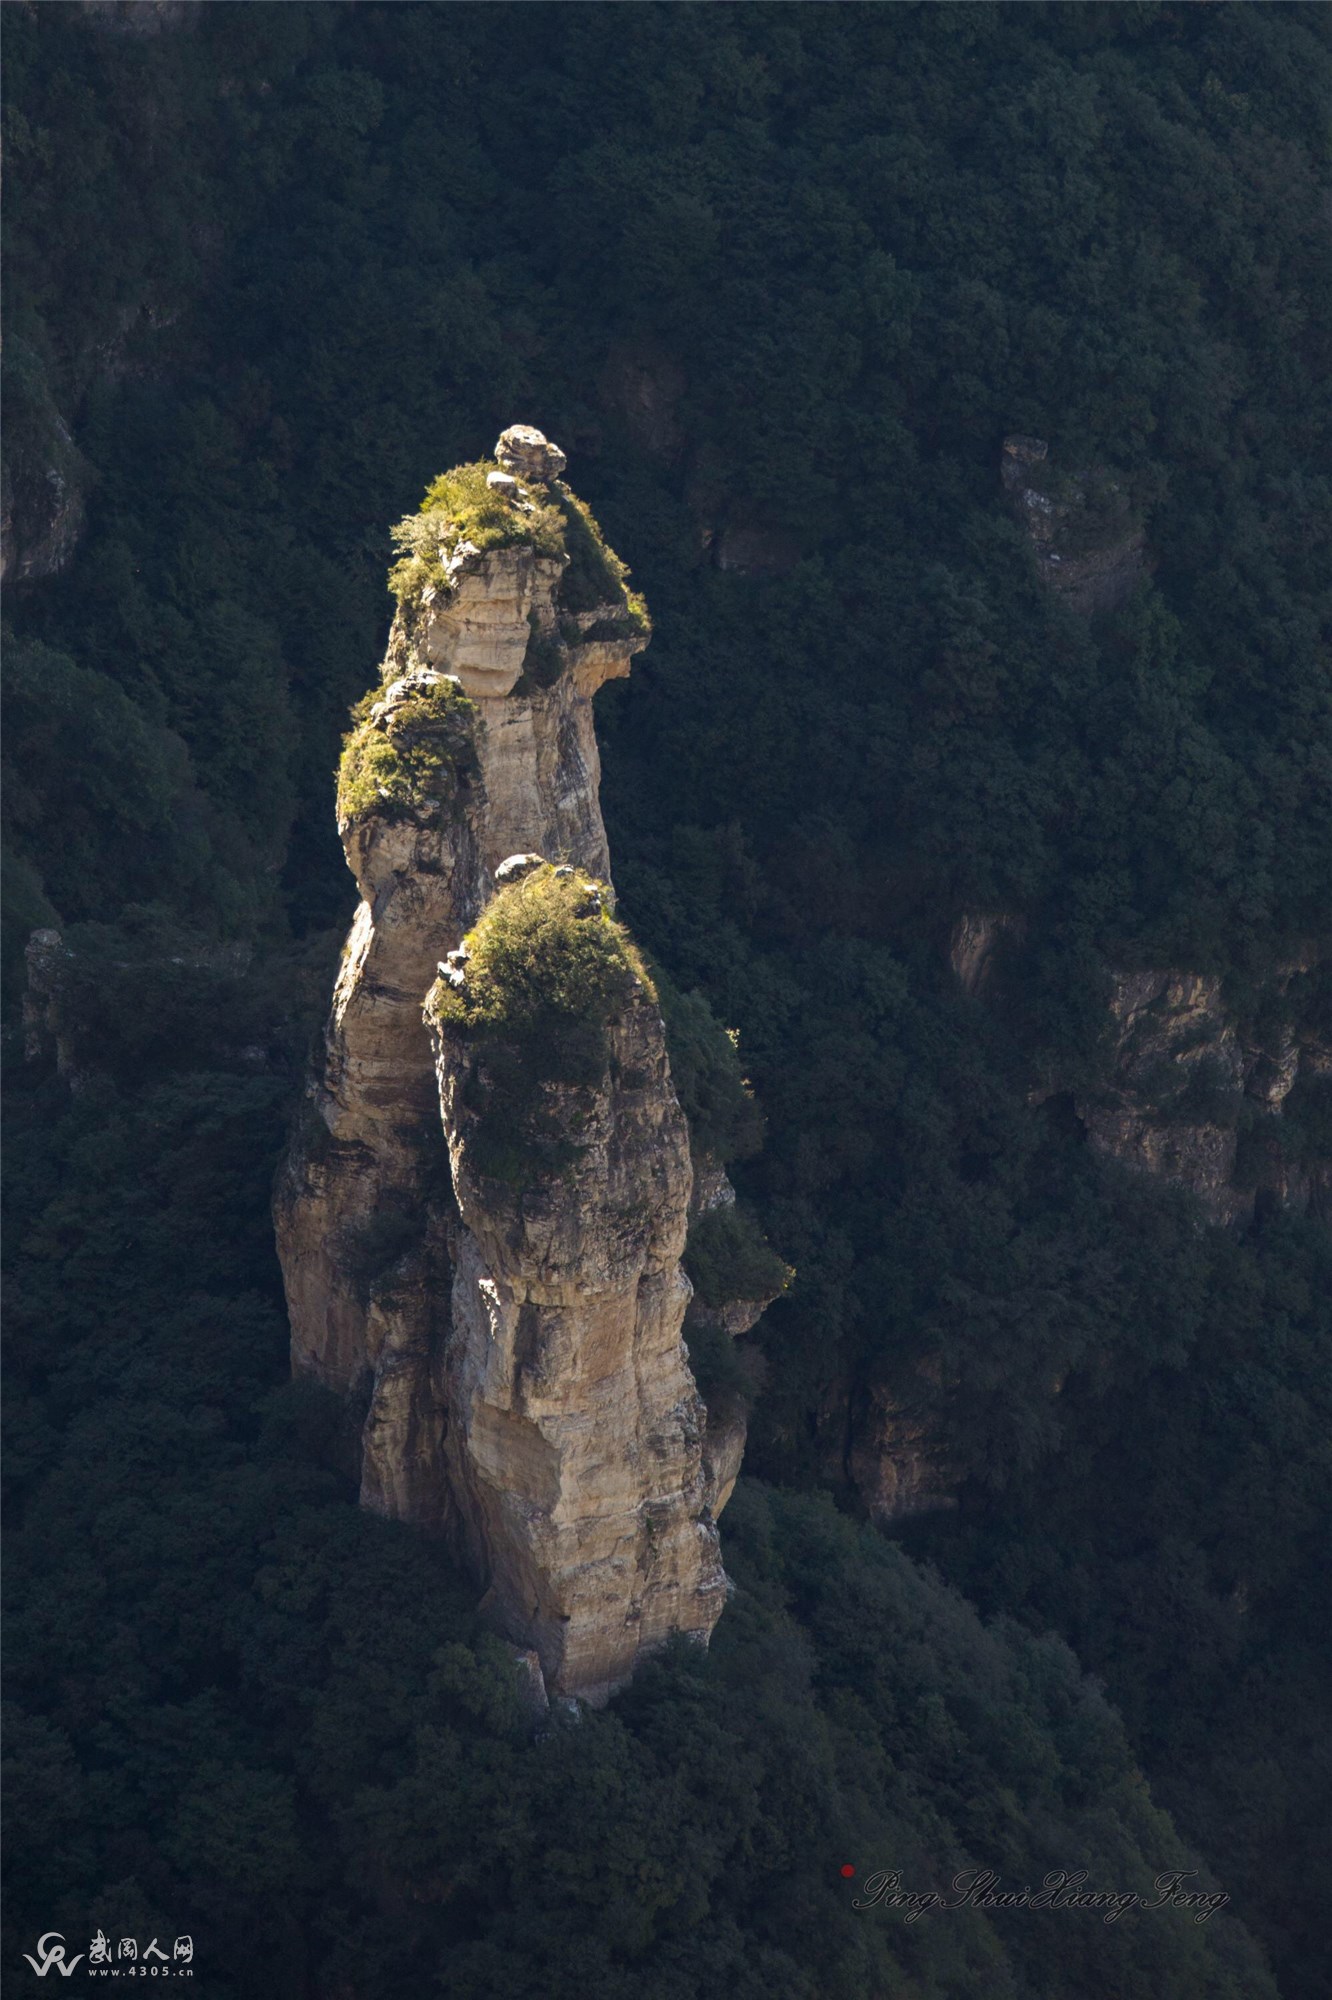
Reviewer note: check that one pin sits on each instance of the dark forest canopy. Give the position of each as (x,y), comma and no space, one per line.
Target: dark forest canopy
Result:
(780,279)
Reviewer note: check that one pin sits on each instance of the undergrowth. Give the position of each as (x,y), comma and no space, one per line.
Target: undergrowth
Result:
(411,762)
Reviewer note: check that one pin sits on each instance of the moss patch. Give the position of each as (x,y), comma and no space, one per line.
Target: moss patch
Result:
(547,973)
(460,507)
(539,963)
(410,762)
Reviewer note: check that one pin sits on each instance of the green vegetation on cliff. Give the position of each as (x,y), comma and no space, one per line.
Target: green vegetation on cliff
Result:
(793,275)
(549,968)
(269,1704)
(728,1257)
(459,506)
(409,761)
(725,1121)
(596,580)
(547,958)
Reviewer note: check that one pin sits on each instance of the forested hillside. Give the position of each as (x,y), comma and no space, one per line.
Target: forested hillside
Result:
(781,280)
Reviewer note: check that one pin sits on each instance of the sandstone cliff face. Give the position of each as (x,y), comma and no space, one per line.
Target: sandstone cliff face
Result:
(892,1456)
(882,1442)
(1198,1098)
(1171,1031)
(574,1449)
(371,1150)
(517,1353)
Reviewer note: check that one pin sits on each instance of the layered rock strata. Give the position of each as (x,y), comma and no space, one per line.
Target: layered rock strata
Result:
(371,1156)
(575,1442)
(516,1352)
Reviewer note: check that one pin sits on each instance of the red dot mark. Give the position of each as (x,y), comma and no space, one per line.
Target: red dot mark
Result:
(847,1869)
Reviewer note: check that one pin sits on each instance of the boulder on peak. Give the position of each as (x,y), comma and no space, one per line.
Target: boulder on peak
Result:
(517,865)
(526,453)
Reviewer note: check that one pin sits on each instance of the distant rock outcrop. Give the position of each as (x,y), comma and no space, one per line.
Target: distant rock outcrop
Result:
(43,494)
(1224,1099)
(976,939)
(1228,1100)
(1088,545)
(1197,1096)
(747,545)
(893,1458)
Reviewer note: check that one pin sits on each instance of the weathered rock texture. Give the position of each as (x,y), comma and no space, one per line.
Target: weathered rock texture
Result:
(369,1175)
(727,1427)
(521,1371)
(371,1169)
(525,453)
(1088,546)
(892,1455)
(880,1432)
(479,629)
(43,488)
(574,1446)
(1198,1097)
(977,938)
(1226,1100)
